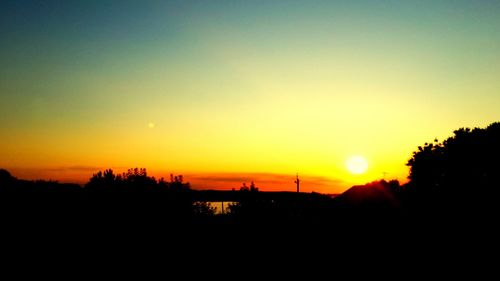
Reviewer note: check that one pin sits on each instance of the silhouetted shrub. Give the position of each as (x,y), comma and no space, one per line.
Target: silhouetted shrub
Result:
(463,170)
(5,178)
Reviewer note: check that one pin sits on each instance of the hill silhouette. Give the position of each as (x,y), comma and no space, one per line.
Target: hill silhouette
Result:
(378,195)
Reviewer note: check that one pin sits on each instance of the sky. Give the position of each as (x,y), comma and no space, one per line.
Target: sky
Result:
(226,92)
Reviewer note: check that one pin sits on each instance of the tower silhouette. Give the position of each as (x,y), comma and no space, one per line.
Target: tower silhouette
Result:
(297,182)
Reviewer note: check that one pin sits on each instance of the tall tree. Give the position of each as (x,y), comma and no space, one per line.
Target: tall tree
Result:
(466,163)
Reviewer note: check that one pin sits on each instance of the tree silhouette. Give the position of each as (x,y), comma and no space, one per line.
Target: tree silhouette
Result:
(6,178)
(176,182)
(203,209)
(463,169)
(138,178)
(134,178)
(106,179)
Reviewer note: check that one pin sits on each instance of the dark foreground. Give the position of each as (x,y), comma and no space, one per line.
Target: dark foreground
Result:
(446,219)
(375,211)
(267,234)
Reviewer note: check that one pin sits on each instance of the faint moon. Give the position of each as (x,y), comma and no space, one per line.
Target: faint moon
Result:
(356,164)
(151,125)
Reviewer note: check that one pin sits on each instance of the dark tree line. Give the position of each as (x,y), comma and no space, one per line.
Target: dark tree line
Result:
(457,177)
(134,179)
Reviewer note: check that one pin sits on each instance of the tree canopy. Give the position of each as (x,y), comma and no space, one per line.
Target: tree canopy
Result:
(134,178)
(466,163)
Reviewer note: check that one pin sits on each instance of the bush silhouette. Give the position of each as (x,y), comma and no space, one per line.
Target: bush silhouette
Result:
(5,178)
(463,170)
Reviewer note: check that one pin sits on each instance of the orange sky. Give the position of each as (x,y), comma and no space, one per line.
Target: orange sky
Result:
(226,181)
(241,91)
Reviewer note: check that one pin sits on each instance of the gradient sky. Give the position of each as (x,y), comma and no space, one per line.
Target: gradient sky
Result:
(232,91)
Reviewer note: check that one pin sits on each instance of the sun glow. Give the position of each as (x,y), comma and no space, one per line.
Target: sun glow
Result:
(356,165)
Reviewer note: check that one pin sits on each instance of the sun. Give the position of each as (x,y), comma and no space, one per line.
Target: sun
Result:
(356,164)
